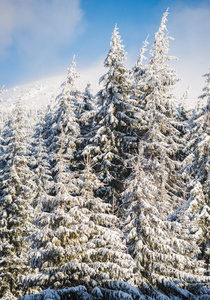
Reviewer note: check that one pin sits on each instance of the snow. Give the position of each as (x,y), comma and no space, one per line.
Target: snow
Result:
(39,93)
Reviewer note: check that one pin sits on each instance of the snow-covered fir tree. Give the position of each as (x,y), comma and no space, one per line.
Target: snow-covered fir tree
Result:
(40,166)
(196,165)
(115,135)
(162,141)
(77,239)
(201,143)
(4,112)
(162,252)
(52,226)
(86,122)
(16,213)
(88,110)
(184,114)
(195,172)
(158,67)
(195,216)
(63,120)
(139,71)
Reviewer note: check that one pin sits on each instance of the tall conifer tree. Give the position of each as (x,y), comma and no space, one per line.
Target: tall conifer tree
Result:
(64,120)
(195,172)
(16,213)
(162,141)
(163,250)
(115,135)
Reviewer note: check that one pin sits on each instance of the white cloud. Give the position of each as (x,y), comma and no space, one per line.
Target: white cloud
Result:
(7,24)
(38,29)
(50,22)
(190,27)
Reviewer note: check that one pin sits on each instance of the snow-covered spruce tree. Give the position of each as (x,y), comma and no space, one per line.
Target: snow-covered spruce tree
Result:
(162,141)
(184,115)
(115,135)
(88,110)
(47,119)
(77,239)
(53,227)
(158,73)
(200,141)
(40,166)
(86,122)
(184,122)
(64,120)
(17,190)
(196,165)
(104,250)
(161,251)
(139,71)
(194,215)
(195,172)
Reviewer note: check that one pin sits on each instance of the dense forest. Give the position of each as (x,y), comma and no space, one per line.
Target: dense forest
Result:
(106,196)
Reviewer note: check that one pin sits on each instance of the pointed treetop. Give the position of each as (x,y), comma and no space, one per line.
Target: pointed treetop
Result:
(161,44)
(185,96)
(88,88)
(116,38)
(159,68)
(206,89)
(164,20)
(117,53)
(19,110)
(141,56)
(115,32)
(20,101)
(72,73)
(204,113)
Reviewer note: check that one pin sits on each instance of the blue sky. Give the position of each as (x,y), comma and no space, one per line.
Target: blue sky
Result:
(38,38)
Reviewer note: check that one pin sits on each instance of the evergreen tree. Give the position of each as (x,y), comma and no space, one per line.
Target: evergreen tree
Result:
(202,165)
(86,123)
(77,240)
(184,115)
(88,110)
(196,165)
(162,252)
(159,73)
(139,71)
(63,120)
(162,142)
(195,172)
(39,164)
(195,215)
(115,135)
(17,190)
(4,112)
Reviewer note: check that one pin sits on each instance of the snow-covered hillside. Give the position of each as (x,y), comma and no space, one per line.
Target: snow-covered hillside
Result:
(39,93)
